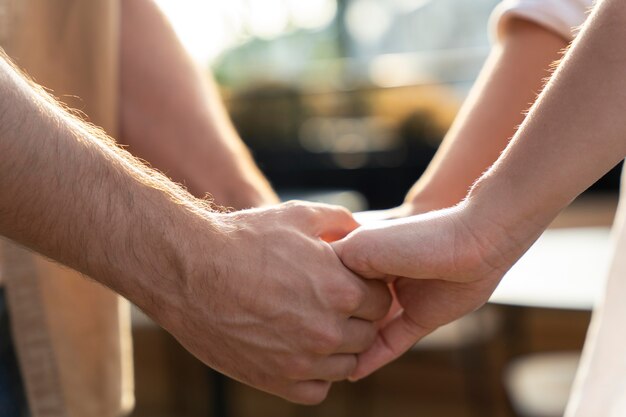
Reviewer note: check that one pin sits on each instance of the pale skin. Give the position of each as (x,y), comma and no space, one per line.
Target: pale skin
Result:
(446,263)
(171,116)
(257,294)
(509,83)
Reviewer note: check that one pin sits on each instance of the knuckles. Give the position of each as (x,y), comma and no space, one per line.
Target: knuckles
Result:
(307,211)
(301,210)
(381,299)
(298,368)
(355,254)
(348,298)
(325,340)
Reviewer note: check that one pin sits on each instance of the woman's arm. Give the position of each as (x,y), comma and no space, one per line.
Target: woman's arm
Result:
(171,114)
(509,83)
(454,258)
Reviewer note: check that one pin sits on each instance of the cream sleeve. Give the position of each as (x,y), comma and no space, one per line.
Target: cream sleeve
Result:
(563,17)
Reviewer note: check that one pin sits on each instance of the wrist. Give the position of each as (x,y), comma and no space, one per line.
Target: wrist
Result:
(162,255)
(503,204)
(194,245)
(502,221)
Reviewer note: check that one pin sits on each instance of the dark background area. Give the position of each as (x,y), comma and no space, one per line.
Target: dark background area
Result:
(271,119)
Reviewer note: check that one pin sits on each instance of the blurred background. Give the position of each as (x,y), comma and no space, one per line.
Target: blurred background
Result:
(346,101)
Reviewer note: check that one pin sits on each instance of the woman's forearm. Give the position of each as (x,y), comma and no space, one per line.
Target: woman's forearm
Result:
(509,82)
(172,116)
(450,261)
(573,134)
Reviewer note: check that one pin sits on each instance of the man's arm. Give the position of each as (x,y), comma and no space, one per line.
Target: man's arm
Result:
(256,294)
(453,259)
(171,114)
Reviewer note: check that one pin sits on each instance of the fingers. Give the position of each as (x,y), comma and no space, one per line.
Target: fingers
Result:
(335,367)
(398,336)
(358,336)
(309,392)
(327,370)
(328,222)
(376,300)
(355,253)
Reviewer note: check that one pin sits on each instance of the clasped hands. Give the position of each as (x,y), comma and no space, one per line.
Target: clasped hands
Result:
(300,295)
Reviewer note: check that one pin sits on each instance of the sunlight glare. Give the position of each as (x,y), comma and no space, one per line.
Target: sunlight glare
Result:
(368,20)
(312,14)
(267,18)
(206,28)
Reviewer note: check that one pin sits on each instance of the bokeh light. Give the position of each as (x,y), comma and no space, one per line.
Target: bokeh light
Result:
(207,28)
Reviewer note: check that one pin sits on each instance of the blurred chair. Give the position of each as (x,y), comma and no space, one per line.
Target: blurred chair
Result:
(467,340)
(539,384)
(468,337)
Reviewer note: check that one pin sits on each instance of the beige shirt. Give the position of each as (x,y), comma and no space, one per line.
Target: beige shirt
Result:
(72,335)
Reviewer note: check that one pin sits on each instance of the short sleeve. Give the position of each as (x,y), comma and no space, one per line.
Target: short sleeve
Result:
(563,17)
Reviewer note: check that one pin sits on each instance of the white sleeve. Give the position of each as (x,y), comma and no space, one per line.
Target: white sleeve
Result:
(564,17)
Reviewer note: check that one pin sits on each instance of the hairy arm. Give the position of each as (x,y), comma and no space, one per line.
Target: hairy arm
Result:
(256,294)
(70,193)
(172,117)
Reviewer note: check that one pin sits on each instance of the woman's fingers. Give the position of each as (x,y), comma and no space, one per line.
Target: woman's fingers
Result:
(393,340)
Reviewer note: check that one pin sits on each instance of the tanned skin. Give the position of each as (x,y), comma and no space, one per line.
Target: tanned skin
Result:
(258,294)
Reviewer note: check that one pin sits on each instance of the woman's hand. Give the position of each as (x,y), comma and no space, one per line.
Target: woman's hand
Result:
(443,265)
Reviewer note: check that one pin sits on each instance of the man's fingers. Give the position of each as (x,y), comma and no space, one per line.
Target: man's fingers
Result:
(393,340)
(358,336)
(330,223)
(335,367)
(376,300)
(309,392)
(394,309)
(358,263)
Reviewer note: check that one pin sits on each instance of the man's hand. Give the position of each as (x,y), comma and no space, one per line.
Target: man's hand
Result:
(259,294)
(443,265)
(272,306)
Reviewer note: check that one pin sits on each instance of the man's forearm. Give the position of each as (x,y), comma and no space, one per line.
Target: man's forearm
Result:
(509,82)
(173,118)
(69,193)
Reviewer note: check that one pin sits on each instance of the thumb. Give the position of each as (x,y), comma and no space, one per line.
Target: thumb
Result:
(356,256)
(393,340)
(333,222)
